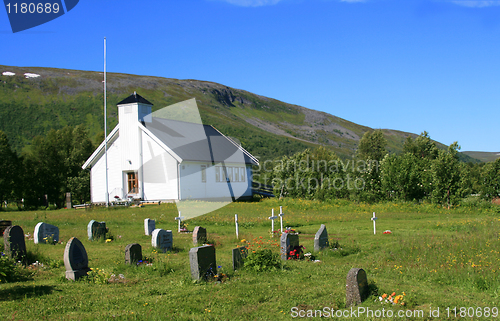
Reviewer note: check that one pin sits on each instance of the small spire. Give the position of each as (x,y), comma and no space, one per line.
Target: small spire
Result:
(135,94)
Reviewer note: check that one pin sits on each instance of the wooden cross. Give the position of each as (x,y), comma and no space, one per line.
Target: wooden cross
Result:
(236,222)
(374,227)
(179,219)
(272,218)
(281,218)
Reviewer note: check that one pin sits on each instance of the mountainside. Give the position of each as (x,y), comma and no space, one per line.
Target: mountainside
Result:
(266,127)
(483,156)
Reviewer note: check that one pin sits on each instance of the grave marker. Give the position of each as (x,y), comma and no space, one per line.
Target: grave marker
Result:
(356,287)
(199,235)
(44,231)
(281,218)
(3,225)
(162,239)
(321,239)
(76,261)
(289,241)
(236,223)
(149,226)
(239,255)
(96,230)
(179,219)
(272,218)
(14,244)
(133,253)
(374,219)
(202,262)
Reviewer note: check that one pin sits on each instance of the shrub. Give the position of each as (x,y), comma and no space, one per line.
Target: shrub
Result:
(263,260)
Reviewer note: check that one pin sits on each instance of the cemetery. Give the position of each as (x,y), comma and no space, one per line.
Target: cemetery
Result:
(133,263)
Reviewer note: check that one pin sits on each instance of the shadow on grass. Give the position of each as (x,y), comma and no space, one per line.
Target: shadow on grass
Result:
(20,292)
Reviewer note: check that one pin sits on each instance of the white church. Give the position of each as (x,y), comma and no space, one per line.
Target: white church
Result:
(151,158)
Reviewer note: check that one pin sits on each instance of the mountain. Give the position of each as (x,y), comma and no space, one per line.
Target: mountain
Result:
(34,100)
(483,156)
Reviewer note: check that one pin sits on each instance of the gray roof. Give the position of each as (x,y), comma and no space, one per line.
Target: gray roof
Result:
(134,98)
(197,142)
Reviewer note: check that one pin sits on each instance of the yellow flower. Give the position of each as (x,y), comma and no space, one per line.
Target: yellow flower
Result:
(243,241)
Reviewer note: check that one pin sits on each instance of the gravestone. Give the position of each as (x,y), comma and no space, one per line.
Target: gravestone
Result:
(239,255)
(202,261)
(356,287)
(321,239)
(162,239)
(133,253)
(149,226)
(44,231)
(96,230)
(76,261)
(3,225)
(199,235)
(14,244)
(289,241)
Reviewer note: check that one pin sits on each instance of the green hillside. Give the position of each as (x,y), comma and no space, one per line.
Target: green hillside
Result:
(266,127)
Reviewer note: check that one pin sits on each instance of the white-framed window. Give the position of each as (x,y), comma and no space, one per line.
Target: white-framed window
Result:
(236,174)
(242,174)
(217,173)
(203,173)
(224,173)
(230,173)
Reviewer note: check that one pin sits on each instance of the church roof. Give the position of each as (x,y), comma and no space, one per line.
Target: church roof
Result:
(197,142)
(134,98)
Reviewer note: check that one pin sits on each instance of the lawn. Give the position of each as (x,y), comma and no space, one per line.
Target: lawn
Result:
(439,258)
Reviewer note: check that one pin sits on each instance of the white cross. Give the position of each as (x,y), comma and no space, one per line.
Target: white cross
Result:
(236,222)
(179,219)
(281,218)
(374,219)
(272,218)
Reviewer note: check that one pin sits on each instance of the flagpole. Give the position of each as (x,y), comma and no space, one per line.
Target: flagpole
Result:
(105,127)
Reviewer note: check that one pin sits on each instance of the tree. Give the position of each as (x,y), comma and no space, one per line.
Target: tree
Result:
(309,174)
(372,146)
(406,177)
(53,166)
(8,169)
(422,146)
(446,176)
(491,180)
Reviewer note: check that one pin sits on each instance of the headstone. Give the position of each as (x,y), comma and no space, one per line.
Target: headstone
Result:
(14,244)
(289,241)
(133,253)
(356,287)
(321,239)
(96,230)
(199,235)
(162,239)
(3,225)
(202,261)
(44,231)
(68,201)
(239,255)
(149,226)
(76,261)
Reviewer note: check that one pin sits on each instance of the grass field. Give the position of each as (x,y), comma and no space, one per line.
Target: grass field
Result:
(439,258)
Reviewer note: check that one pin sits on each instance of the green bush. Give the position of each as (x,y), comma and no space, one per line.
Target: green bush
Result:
(263,260)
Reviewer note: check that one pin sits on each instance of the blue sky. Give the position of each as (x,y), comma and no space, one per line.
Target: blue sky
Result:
(430,65)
